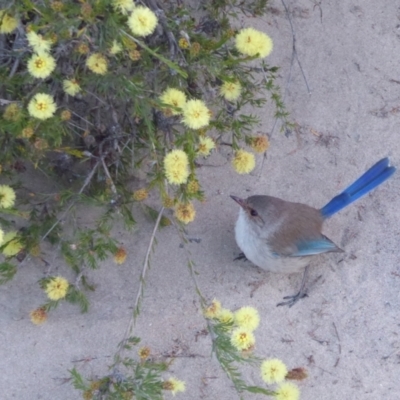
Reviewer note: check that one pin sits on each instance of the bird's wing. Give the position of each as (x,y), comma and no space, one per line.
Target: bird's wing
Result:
(316,246)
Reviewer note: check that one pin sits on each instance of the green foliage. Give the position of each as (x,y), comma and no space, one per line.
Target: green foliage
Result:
(98,128)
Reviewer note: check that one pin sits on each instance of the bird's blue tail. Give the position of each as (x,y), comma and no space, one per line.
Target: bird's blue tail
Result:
(376,175)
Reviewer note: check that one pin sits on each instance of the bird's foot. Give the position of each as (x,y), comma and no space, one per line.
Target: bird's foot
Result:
(292,300)
(241,256)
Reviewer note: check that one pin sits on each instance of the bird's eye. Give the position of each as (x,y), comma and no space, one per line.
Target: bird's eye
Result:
(253,213)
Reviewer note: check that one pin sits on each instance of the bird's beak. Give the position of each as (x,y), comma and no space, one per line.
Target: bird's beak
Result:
(242,203)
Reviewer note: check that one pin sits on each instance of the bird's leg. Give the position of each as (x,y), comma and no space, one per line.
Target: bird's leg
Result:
(292,300)
(241,256)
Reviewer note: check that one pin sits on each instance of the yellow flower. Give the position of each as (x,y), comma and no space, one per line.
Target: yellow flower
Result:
(213,310)
(38,43)
(71,87)
(142,21)
(38,316)
(57,288)
(42,106)
(12,244)
(123,6)
(259,143)
(225,316)
(287,391)
(242,339)
(174,385)
(97,63)
(115,48)
(231,90)
(168,202)
(185,212)
(248,318)
(65,115)
(176,166)
(134,55)
(12,112)
(206,144)
(193,186)
(7,23)
(196,115)
(1,236)
(195,49)
(144,352)
(7,196)
(27,132)
(140,195)
(41,65)
(251,42)
(174,98)
(273,371)
(57,5)
(183,43)
(82,48)
(243,162)
(120,256)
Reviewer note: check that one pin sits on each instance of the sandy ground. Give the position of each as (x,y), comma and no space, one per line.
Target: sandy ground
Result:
(346,333)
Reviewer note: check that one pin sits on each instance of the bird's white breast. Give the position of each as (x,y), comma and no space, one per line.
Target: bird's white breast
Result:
(252,241)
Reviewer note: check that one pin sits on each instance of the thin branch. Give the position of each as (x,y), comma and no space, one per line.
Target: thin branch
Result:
(140,291)
(294,50)
(87,181)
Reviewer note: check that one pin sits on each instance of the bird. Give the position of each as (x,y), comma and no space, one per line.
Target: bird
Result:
(281,236)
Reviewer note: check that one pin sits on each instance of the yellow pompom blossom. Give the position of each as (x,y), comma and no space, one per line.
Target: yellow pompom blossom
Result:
(242,339)
(174,385)
(196,115)
(231,90)
(243,162)
(97,63)
(142,21)
(185,212)
(195,49)
(71,87)
(38,43)
(38,316)
(27,132)
(115,48)
(82,48)
(123,6)
(140,195)
(168,202)
(120,256)
(7,196)
(273,371)
(225,316)
(176,165)
(175,98)
(7,23)
(183,43)
(252,42)
(42,106)
(213,310)
(206,144)
(12,244)
(259,143)
(248,318)
(41,65)
(144,352)
(57,6)
(193,186)
(12,112)
(65,115)
(57,288)
(287,391)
